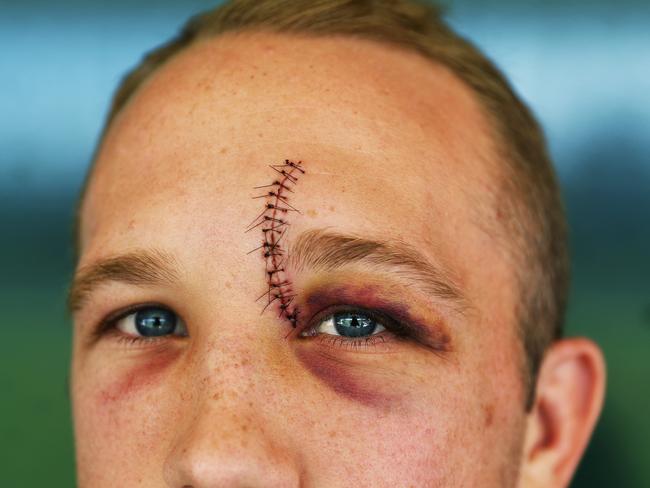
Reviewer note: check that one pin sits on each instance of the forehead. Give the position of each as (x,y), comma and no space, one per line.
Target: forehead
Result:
(227,105)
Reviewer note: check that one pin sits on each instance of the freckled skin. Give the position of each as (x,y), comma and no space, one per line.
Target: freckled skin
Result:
(240,401)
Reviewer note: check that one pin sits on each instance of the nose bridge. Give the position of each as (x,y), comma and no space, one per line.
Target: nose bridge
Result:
(224,371)
(228,435)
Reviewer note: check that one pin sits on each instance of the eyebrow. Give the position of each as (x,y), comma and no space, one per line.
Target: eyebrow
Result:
(316,249)
(320,249)
(139,267)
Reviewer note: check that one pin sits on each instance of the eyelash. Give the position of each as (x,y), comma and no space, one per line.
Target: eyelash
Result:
(393,327)
(108,326)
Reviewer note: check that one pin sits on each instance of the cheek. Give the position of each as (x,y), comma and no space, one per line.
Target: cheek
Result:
(120,414)
(378,417)
(129,380)
(423,423)
(419,442)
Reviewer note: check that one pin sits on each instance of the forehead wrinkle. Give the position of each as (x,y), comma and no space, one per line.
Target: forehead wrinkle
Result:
(323,250)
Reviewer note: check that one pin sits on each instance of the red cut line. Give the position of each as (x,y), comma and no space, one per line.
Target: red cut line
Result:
(279,285)
(271,239)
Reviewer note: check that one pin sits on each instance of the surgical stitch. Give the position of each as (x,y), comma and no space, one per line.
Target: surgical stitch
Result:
(273,223)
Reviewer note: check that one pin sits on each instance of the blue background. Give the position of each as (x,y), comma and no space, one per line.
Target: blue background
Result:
(583,66)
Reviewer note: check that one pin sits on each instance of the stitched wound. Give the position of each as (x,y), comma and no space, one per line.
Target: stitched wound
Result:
(273,223)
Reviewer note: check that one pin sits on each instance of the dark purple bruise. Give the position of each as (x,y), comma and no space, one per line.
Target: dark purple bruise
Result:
(366,296)
(345,380)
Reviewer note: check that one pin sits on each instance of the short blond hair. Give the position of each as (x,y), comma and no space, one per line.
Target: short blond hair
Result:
(536,227)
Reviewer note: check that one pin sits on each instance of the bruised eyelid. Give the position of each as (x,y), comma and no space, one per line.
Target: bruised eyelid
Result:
(432,332)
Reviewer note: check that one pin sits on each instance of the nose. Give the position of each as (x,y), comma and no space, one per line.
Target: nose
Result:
(228,440)
(227,451)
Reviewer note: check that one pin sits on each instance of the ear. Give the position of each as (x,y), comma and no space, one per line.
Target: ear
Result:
(569,397)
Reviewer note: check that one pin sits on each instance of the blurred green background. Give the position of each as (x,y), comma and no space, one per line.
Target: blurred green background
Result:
(583,66)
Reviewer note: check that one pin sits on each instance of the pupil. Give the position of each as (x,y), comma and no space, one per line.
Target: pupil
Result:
(155,322)
(354,325)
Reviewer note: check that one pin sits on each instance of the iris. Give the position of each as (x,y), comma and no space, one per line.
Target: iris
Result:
(154,322)
(350,324)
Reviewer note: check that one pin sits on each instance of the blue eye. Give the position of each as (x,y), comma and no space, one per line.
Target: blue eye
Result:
(353,324)
(348,324)
(155,322)
(151,322)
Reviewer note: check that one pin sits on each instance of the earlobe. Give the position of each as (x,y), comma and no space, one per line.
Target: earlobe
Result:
(568,401)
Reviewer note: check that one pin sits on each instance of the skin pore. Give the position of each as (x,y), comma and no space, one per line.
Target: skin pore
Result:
(399,157)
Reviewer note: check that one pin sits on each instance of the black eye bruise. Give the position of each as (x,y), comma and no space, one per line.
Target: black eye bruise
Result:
(395,316)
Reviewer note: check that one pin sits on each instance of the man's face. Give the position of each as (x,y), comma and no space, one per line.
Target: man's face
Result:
(395,150)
